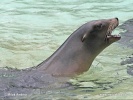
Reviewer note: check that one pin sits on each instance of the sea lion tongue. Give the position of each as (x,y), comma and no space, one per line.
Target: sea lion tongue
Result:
(77,53)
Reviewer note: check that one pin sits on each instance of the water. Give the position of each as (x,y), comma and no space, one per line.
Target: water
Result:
(31,30)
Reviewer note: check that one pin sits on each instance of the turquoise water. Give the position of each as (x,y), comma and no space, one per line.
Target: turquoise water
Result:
(31,30)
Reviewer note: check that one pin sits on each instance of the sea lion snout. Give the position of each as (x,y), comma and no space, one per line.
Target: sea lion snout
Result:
(115,21)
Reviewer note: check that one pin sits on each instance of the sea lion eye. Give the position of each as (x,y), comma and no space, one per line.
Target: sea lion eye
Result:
(98,26)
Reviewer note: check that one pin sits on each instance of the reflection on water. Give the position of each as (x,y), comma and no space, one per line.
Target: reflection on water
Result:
(31,30)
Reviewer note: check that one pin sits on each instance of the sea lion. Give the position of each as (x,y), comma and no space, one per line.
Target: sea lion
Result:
(73,57)
(77,53)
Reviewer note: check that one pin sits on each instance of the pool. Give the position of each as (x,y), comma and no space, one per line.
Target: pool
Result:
(31,30)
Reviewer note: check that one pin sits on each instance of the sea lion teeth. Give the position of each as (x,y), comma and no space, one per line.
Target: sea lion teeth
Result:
(116,35)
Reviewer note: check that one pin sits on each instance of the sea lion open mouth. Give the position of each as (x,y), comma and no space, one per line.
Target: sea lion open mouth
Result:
(113,24)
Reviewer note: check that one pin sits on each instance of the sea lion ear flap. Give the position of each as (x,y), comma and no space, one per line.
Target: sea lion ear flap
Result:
(83,37)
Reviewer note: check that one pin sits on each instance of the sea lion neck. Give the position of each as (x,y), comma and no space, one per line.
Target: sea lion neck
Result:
(71,58)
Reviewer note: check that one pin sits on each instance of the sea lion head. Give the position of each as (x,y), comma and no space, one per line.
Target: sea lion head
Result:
(98,33)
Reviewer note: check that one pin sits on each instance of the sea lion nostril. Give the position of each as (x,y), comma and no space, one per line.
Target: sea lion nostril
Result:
(117,19)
